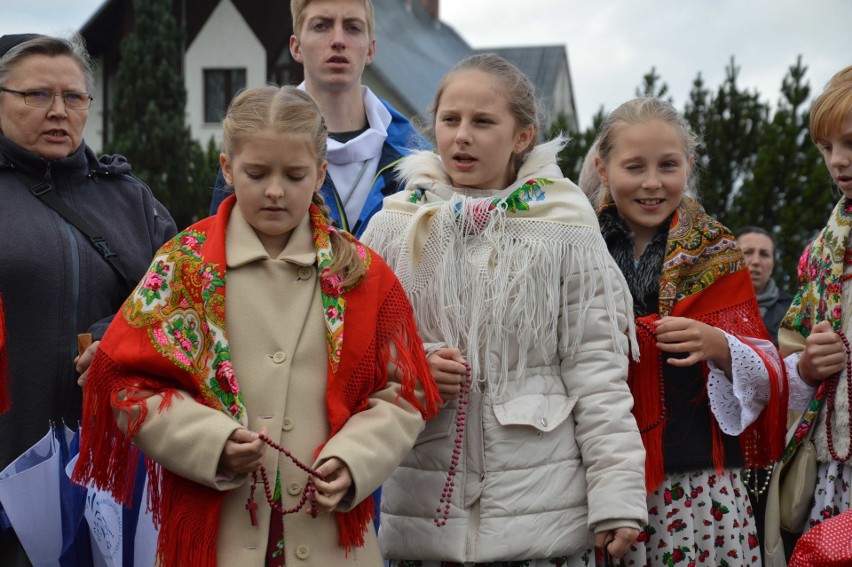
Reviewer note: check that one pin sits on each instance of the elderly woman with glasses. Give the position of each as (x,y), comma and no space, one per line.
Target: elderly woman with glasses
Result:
(56,280)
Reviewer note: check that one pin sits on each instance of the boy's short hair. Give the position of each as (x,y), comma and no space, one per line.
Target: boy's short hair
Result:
(297,9)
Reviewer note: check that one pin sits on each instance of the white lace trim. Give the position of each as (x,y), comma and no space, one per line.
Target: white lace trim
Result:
(800,392)
(737,403)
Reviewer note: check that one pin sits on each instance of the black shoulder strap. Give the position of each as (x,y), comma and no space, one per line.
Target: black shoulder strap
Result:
(45,193)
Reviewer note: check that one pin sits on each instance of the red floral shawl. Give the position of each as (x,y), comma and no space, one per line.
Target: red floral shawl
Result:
(171,335)
(704,277)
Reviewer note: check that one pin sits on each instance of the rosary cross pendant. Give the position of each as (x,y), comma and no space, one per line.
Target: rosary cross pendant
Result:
(251,506)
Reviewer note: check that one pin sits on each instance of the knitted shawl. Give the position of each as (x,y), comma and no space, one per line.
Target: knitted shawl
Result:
(485,269)
(703,277)
(820,298)
(171,335)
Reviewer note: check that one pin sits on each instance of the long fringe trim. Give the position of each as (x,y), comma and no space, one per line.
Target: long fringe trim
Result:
(107,458)
(485,282)
(404,351)
(352,525)
(186,513)
(397,348)
(763,441)
(644,381)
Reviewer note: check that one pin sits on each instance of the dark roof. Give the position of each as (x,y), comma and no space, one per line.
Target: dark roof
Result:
(541,64)
(414,51)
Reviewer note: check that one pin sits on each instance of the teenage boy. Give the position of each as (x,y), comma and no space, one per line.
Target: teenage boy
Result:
(334,41)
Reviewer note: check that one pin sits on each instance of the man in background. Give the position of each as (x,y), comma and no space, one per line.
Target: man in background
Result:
(334,41)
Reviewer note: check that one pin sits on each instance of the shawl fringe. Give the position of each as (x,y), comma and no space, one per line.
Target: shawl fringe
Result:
(109,461)
(644,381)
(183,507)
(403,351)
(522,283)
(108,458)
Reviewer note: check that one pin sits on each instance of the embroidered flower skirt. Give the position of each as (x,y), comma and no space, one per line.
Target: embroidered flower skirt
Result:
(698,518)
(831,496)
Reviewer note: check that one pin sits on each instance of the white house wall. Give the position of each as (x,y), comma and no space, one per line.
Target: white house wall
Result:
(225,42)
(93,133)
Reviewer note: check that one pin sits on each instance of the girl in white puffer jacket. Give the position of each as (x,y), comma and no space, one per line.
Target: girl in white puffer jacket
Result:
(528,322)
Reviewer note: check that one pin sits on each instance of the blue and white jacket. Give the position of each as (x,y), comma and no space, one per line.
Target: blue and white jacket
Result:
(402,139)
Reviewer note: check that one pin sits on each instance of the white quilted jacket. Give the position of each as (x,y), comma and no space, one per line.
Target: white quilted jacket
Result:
(551,451)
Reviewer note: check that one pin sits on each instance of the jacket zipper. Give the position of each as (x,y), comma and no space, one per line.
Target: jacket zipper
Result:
(74,253)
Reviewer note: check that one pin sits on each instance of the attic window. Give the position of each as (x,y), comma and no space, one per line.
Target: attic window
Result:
(220,87)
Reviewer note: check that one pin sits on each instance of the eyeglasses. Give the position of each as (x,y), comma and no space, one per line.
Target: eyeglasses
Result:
(44,99)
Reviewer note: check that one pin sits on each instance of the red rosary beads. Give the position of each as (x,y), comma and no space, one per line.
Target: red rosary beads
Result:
(449,485)
(309,493)
(831,389)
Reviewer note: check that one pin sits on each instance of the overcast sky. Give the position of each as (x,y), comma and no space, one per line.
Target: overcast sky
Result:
(611,43)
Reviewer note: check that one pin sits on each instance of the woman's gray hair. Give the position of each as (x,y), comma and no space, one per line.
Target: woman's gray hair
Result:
(73,47)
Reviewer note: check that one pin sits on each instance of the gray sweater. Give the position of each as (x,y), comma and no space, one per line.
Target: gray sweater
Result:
(55,284)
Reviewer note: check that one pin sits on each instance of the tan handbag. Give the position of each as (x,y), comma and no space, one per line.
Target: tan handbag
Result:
(791,489)
(798,481)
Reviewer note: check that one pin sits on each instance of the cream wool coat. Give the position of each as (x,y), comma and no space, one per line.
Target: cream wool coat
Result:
(278,347)
(551,451)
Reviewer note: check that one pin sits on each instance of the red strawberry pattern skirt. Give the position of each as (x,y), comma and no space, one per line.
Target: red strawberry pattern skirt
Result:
(698,518)
(832,493)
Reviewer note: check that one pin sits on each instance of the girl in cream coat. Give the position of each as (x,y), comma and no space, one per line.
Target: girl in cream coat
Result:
(269,413)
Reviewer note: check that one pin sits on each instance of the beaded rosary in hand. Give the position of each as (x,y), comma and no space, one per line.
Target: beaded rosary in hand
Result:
(831,389)
(449,484)
(309,493)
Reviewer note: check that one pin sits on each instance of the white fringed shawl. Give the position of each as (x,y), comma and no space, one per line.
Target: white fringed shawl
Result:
(486,276)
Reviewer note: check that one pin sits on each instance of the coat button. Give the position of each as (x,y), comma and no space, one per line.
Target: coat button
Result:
(543,422)
(305,273)
(294,488)
(303,552)
(279,357)
(288,424)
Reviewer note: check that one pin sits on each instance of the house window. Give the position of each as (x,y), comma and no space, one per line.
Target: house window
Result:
(220,86)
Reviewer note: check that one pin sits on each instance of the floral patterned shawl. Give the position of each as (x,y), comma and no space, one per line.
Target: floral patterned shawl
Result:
(171,335)
(819,298)
(820,272)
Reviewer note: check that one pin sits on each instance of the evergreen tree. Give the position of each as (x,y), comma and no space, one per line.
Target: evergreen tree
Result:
(730,124)
(202,174)
(572,155)
(652,86)
(788,191)
(147,119)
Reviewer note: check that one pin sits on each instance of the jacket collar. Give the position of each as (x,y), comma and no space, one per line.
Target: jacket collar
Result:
(244,247)
(13,156)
